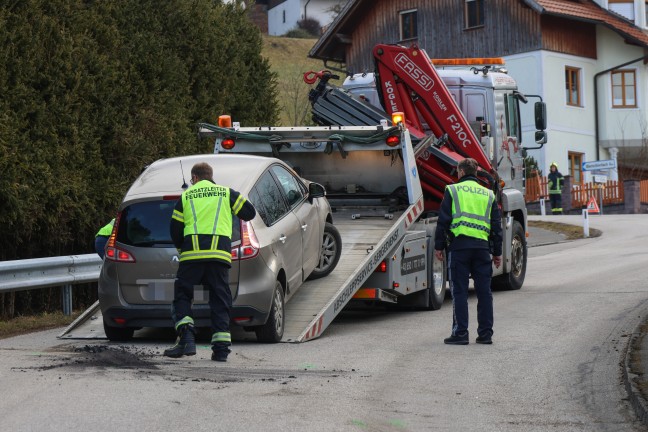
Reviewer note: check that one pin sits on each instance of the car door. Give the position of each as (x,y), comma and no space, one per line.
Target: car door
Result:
(284,227)
(297,197)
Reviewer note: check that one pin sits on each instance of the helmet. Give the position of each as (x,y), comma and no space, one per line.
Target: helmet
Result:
(553,164)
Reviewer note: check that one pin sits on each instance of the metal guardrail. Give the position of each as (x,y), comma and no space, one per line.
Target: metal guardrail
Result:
(63,271)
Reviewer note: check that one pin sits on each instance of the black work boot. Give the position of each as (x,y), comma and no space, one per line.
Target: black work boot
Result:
(185,343)
(456,340)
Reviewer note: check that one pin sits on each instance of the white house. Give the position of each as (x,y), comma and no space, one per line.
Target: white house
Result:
(587,60)
(283,15)
(603,97)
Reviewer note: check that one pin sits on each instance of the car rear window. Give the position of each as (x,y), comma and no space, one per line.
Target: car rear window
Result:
(146,224)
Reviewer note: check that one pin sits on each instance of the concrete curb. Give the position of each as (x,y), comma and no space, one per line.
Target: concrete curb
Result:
(634,394)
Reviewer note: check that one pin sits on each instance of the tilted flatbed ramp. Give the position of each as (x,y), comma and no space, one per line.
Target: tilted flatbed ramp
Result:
(365,243)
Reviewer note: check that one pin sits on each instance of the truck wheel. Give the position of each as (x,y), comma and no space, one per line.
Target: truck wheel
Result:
(514,279)
(437,291)
(118,334)
(272,331)
(329,254)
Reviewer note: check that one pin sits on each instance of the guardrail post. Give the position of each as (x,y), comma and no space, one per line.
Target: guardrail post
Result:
(67,299)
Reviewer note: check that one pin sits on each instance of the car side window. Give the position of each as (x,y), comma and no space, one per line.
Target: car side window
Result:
(293,189)
(268,199)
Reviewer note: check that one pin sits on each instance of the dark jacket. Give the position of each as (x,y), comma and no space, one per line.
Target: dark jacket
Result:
(555,181)
(443,234)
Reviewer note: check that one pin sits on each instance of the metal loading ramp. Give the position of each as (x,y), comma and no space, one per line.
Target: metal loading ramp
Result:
(359,238)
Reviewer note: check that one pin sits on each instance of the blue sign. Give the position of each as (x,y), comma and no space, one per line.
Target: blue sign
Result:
(599,165)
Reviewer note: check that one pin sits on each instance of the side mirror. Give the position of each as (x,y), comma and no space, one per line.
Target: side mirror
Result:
(541,137)
(540,116)
(315,190)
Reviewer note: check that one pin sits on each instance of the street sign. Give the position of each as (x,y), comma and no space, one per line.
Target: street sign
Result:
(592,207)
(599,165)
(600,178)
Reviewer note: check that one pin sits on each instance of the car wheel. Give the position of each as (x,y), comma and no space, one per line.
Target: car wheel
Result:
(272,330)
(514,279)
(329,254)
(118,334)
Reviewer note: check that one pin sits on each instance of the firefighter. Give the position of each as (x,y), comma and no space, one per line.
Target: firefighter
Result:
(201,229)
(101,238)
(470,228)
(555,184)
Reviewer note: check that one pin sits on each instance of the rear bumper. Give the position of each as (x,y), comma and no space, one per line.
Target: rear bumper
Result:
(160,316)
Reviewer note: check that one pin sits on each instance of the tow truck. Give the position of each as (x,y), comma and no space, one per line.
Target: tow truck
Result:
(385,166)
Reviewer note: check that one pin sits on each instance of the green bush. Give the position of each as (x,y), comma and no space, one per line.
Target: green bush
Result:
(299,33)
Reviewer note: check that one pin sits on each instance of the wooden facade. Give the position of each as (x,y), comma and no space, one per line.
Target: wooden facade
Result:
(568,36)
(510,27)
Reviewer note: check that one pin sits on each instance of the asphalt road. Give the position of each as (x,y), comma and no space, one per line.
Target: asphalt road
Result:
(554,364)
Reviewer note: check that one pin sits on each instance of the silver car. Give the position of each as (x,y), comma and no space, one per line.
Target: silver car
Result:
(292,238)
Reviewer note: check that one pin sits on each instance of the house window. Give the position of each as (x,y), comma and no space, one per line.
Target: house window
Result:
(572,86)
(623,7)
(624,89)
(283,16)
(408,24)
(576,167)
(474,13)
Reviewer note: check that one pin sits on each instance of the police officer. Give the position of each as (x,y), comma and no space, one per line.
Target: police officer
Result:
(469,225)
(555,183)
(201,229)
(102,236)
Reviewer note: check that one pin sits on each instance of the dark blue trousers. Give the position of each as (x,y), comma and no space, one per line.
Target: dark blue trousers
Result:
(214,276)
(463,264)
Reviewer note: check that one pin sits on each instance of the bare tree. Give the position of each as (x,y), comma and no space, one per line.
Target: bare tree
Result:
(293,95)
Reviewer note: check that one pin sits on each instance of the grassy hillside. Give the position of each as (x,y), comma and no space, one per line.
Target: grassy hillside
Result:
(288,57)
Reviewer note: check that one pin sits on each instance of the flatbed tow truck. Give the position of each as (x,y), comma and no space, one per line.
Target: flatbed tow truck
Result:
(385,172)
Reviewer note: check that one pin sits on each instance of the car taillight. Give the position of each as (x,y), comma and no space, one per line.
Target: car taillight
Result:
(119,255)
(249,247)
(113,253)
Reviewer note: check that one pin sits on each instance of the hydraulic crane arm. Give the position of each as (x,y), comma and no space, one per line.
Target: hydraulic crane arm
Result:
(408,83)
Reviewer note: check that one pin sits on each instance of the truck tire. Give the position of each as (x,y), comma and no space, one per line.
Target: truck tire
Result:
(438,277)
(330,253)
(514,279)
(118,334)
(272,331)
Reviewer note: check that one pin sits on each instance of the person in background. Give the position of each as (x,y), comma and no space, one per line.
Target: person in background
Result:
(555,184)
(469,225)
(201,229)
(102,236)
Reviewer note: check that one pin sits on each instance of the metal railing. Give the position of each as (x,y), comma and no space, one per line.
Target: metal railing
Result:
(63,271)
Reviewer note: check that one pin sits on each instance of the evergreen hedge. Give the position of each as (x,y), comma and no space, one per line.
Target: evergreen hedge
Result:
(93,91)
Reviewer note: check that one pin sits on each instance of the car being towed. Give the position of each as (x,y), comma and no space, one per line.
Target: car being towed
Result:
(291,239)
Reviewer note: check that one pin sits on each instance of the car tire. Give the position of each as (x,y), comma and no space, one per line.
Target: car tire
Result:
(118,334)
(329,254)
(272,331)
(515,278)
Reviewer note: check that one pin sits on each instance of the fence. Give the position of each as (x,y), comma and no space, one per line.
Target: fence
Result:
(64,271)
(643,191)
(612,191)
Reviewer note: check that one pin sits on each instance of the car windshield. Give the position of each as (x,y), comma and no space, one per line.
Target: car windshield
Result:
(146,224)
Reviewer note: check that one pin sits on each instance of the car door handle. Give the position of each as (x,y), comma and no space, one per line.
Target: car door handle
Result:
(304,227)
(282,238)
